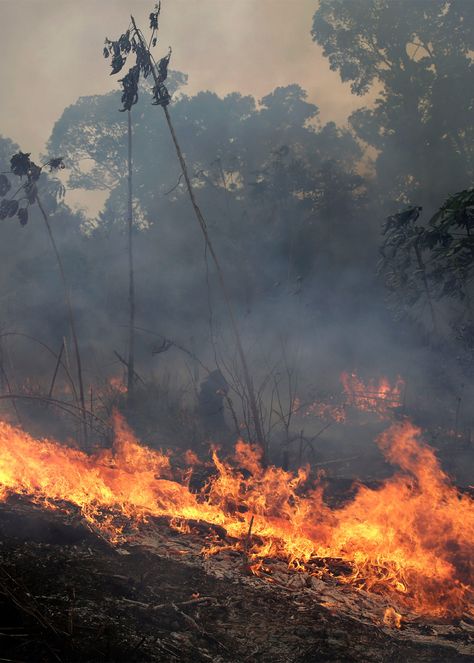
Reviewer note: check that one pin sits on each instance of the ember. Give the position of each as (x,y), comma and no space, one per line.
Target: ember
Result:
(411,540)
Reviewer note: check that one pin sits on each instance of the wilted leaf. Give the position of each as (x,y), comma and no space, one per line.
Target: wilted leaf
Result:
(117,63)
(130,88)
(34,171)
(163,67)
(5,185)
(8,208)
(161,96)
(30,191)
(23,215)
(56,164)
(20,163)
(124,42)
(143,60)
(154,16)
(3,210)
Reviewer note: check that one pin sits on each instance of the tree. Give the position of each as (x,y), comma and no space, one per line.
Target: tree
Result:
(271,181)
(17,201)
(417,56)
(133,41)
(403,265)
(432,263)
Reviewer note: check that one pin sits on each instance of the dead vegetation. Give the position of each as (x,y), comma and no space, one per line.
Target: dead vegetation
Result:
(66,595)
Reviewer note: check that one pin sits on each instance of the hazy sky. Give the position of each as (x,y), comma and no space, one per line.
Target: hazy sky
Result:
(51,54)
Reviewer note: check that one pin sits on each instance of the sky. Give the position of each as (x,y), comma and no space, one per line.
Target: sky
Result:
(52,54)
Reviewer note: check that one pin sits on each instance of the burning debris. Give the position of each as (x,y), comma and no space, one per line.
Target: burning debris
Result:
(66,595)
(410,540)
(380,398)
(128,553)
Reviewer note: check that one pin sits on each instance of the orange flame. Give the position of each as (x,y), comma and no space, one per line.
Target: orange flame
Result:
(372,396)
(392,618)
(117,384)
(326,412)
(412,539)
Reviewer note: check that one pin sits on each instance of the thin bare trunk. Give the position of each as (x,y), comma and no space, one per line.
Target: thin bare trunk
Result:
(202,223)
(131,274)
(70,314)
(220,274)
(56,369)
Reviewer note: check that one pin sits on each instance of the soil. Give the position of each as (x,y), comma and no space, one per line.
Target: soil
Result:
(68,595)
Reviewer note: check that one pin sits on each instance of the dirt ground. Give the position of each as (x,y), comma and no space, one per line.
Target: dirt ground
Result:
(67,595)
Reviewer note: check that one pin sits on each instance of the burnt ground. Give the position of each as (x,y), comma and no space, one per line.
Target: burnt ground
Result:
(67,595)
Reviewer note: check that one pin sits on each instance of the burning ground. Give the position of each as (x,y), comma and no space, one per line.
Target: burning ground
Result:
(165,558)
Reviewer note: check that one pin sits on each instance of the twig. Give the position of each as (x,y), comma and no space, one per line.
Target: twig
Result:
(337,460)
(56,369)
(246,547)
(26,603)
(50,350)
(125,363)
(7,382)
(62,405)
(162,606)
(72,322)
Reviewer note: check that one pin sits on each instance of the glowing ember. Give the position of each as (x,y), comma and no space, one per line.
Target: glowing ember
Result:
(412,539)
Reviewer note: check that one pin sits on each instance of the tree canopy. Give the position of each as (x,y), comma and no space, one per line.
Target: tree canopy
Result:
(416,56)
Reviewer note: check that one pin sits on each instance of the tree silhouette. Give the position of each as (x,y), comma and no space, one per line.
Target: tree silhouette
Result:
(417,57)
(18,203)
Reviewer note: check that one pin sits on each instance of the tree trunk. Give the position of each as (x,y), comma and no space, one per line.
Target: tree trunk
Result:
(260,437)
(131,274)
(70,315)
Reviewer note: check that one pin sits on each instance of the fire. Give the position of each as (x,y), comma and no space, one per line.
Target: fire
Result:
(378,397)
(411,540)
(326,412)
(392,618)
(375,396)
(116,384)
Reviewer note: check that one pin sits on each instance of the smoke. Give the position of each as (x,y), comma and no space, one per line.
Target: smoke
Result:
(295,224)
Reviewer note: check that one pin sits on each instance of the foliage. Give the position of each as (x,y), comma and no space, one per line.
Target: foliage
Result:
(434,260)
(417,58)
(450,239)
(398,264)
(127,45)
(32,296)
(22,166)
(274,183)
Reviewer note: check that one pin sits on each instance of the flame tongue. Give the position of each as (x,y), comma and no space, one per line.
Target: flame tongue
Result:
(412,539)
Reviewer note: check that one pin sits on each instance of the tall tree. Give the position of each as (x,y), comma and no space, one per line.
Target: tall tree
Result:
(271,181)
(131,267)
(416,56)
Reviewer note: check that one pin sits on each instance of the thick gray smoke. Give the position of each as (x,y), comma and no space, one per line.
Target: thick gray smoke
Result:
(295,214)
